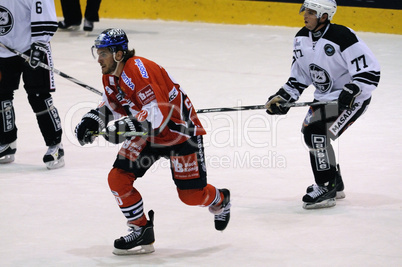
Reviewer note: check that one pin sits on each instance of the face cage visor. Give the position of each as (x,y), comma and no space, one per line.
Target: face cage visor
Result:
(303,9)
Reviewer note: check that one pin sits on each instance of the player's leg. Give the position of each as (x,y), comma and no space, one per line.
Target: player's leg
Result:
(142,237)
(91,14)
(10,74)
(322,159)
(189,174)
(323,124)
(8,129)
(131,163)
(38,85)
(71,13)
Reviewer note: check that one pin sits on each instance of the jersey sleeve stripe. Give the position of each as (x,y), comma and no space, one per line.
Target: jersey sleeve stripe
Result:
(292,82)
(371,77)
(40,28)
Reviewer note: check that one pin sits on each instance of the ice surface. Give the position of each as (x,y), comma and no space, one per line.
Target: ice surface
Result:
(68,217)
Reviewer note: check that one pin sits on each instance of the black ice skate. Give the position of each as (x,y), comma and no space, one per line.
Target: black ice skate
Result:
(88,25)
(68,27)
(339,185)
(321,196)
(139,241)
(7,152)
(222,213)
(54,157)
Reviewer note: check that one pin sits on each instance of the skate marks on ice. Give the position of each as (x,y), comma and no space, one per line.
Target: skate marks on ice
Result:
(161,256)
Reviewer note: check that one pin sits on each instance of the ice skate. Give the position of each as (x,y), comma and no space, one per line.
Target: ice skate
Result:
(54,157)
(222,212)
(88,25)
(321,196)
(139,241)
(7,152)
(68,27)
(339,185)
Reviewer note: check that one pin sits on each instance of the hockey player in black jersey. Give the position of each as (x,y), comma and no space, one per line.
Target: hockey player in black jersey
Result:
(27,26)
(341,67)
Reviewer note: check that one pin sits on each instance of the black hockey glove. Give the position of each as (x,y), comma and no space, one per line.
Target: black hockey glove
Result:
(348,96)
(90,124)
(115,132)
(274,102)
(38,53)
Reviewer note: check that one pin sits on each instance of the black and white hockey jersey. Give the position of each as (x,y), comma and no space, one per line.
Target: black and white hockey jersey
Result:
(23,22)
(337,58)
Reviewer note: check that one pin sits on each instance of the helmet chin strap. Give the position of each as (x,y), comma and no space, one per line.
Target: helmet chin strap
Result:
(118,63)
(319,24)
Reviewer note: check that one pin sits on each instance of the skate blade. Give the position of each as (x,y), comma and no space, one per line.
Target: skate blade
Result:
(7,159)
(323,204)
(55,164)
(144,249)
(340,194)
(72,28)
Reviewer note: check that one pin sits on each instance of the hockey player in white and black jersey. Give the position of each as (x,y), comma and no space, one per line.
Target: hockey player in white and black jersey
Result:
(341,67)
(27,26)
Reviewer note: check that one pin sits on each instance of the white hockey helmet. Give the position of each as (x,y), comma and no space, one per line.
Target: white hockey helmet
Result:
(321,7)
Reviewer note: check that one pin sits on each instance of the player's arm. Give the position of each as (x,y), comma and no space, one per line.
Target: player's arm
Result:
(365,71)
(43,27)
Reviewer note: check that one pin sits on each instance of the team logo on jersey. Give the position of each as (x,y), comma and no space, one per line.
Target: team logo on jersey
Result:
(329,50)
(6,21)
(142,115)
(320,77)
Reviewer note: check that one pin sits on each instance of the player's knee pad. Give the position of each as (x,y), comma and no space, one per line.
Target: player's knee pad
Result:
(48,118)
(120,180)
(312,134)
(121,185)
(40,103)
(197,197)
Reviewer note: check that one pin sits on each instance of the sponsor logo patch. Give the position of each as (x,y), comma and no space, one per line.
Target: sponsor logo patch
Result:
(111,81)
(8,115)
(343,120)
(308,117)
(146,95)
(127,81)
(108,90)
(142,68)
(173,94)
(185,167)
(320,152)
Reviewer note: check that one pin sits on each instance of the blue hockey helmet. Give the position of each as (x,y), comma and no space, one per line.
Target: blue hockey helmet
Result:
(113,38)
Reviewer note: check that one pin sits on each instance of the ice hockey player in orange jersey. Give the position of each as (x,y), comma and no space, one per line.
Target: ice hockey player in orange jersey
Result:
(147,109)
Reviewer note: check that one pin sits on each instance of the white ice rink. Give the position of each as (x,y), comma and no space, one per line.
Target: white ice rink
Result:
(68,217)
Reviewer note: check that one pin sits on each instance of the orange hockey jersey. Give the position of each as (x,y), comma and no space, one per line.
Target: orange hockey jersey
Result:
(146,90)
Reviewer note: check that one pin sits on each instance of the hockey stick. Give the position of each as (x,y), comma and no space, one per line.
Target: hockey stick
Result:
(210,110)
(135,133)
(286,105)
(47,67)
(312,103)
